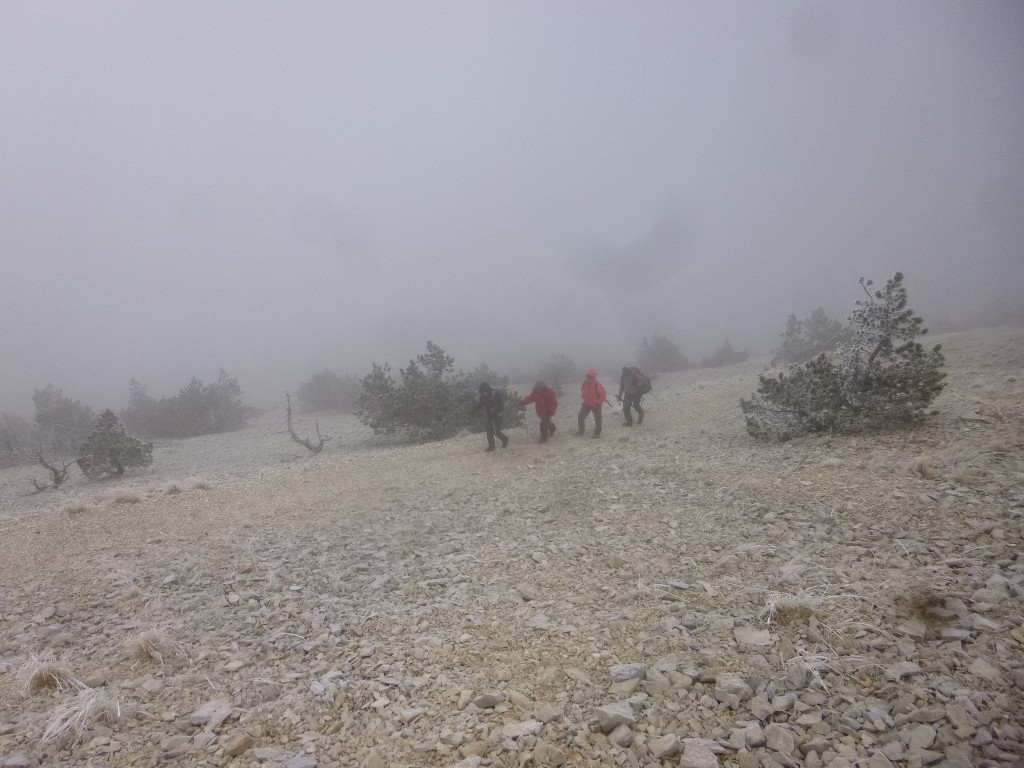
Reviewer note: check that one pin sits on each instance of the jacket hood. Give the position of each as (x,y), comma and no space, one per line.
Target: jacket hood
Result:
(591,373)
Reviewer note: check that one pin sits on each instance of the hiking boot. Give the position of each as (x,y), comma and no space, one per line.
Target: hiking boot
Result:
(488,449)
(596,434)
(504,442)
(580,433)
(640,418)
(628,424)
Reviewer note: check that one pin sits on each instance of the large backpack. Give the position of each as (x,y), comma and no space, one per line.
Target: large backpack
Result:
(643,383)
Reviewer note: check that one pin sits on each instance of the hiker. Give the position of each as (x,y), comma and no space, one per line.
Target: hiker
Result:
(594,397)
(493,403)
(633,385)
(546,403)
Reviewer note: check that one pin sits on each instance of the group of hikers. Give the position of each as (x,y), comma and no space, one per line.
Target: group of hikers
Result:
(633,385)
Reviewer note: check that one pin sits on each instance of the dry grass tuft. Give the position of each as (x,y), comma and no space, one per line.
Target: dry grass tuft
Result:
(152,645)
(172,489)
(202,485)
(785,608)
(40,673)
(74,510)
(924,470)
(127,498)
(89,707)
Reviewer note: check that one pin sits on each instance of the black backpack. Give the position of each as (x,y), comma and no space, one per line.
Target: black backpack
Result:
(642,381)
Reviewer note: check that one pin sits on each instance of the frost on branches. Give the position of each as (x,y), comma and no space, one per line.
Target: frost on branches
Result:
(109,450)
(881,378)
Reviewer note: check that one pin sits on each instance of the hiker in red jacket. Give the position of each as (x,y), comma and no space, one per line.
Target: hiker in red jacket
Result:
(594,397)
(546,403)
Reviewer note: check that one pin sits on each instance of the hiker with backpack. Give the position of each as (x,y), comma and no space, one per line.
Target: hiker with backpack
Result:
(546,403)
(492,401)
(594,397)
(633,385)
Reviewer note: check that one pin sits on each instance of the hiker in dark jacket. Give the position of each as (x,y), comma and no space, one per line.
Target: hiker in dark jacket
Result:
(630,396)
(493,403)
(546,403)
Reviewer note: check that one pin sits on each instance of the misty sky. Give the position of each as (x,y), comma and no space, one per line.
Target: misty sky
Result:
(275,188)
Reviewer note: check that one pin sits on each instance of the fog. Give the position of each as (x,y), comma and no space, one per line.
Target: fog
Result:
(275,188)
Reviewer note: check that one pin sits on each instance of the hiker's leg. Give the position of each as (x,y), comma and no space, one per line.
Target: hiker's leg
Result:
(639,410)
(496,421)
(489,428)
(597,421)
(581,420)
(627,409)
(546,428)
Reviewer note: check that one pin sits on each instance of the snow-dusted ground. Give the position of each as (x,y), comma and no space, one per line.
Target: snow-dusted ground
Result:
(350,608)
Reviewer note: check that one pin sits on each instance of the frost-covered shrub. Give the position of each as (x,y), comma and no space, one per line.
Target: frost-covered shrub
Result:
(807,338)
(430,401)
(660,355)
(724,355)
(109,450)
(327,391)
(198,409)
(880,378)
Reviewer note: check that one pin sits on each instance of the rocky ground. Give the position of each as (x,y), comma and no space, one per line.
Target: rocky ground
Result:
(672,594)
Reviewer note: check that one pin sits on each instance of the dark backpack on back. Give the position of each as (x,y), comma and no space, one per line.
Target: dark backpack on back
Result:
(643,383)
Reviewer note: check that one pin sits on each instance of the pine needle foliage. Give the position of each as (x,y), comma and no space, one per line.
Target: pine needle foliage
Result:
(881,378)
(109,450)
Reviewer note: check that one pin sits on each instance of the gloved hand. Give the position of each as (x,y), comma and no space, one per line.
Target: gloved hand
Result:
(619,398)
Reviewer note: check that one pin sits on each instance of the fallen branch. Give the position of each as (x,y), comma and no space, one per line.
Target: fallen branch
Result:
(305,442)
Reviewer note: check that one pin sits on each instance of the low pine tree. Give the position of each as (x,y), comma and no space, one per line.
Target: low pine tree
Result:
(109,450)
(881,378)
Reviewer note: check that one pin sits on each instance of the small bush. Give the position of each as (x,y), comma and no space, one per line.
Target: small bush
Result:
(327,391)
(804,339)
(659,355)
(198,409)
(724,355)
(109,450)
(429,402)
(882,378)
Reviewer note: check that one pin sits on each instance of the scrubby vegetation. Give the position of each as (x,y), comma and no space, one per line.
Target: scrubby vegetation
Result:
(881,378)
(807,338)
(109,450)
(430,401)
(327,391)
(61,422)
(724,355)
(661,355)
(198,409)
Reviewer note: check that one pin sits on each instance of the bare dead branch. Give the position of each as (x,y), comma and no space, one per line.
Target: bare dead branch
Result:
(305,442)
(60,474)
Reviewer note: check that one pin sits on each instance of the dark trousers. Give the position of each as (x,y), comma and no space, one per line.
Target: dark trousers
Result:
(582,419)
(547,428)
(628,403)
(492,425)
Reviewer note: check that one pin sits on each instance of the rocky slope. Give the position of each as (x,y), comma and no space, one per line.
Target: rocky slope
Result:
(673,594)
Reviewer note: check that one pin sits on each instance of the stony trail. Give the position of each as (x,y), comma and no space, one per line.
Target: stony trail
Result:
(671,594)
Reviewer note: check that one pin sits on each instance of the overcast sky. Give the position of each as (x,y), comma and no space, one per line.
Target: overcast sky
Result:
(275,188)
